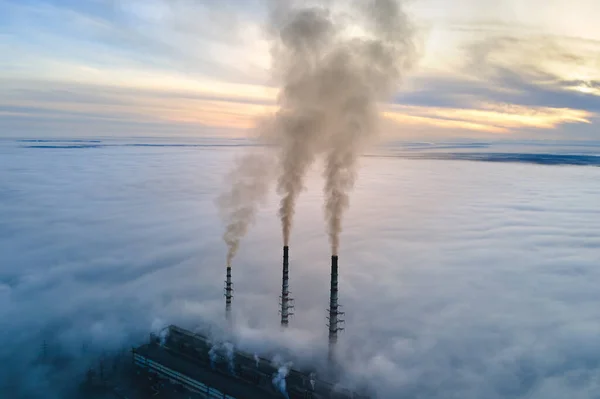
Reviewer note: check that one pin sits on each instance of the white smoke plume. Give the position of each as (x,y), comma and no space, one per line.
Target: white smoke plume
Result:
(256,360)
(213,354)
(161,332)
(279,378)
(226,351)
(163,336)
(229,355)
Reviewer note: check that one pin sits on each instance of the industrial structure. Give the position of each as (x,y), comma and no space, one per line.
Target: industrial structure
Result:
(183,360)
(334,312)
(228,295)
(177,363)
(286,300)
(287,303)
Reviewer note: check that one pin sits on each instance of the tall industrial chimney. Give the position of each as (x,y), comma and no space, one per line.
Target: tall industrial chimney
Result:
(286,301)
(334,313)
(228,295)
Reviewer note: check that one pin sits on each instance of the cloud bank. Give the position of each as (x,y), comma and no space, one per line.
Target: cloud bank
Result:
(463,281)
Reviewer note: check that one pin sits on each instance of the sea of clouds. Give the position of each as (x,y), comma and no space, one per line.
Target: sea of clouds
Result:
(459,279)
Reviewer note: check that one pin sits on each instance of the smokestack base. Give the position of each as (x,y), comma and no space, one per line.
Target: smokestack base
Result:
(334,313)
(228,294)
(286,301)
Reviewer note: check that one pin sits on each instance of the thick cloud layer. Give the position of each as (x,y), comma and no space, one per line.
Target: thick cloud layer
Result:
(541,153)
(467,280)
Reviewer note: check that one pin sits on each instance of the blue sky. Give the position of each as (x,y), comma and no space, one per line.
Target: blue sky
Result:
(487,69)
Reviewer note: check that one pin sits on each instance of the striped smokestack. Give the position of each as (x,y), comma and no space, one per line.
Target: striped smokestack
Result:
(334,312)
(228,295)
(285,292)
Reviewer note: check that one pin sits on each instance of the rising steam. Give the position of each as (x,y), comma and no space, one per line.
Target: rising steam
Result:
(334,61)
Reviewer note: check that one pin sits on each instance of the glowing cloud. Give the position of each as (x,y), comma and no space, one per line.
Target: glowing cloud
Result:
(490,118)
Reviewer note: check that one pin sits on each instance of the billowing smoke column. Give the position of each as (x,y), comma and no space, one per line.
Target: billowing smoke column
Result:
(335,62)
(334,66)
(286,301)
(247,188)
(334,313)
(301,37)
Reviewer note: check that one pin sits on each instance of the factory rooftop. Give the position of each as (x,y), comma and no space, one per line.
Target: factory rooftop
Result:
(218,370)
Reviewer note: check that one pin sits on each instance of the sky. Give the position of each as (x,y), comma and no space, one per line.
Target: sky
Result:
(487,69)
(462,282)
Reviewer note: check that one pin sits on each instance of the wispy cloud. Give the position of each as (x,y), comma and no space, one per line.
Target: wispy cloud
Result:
(195,110)
(190,65)
(510,84)
(489,118)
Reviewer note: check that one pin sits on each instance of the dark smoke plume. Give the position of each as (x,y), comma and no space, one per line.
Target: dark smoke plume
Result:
(334,65)
(248,185)
(334,61)
(302,37)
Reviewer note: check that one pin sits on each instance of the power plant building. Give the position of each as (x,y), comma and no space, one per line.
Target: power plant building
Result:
(190,361)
